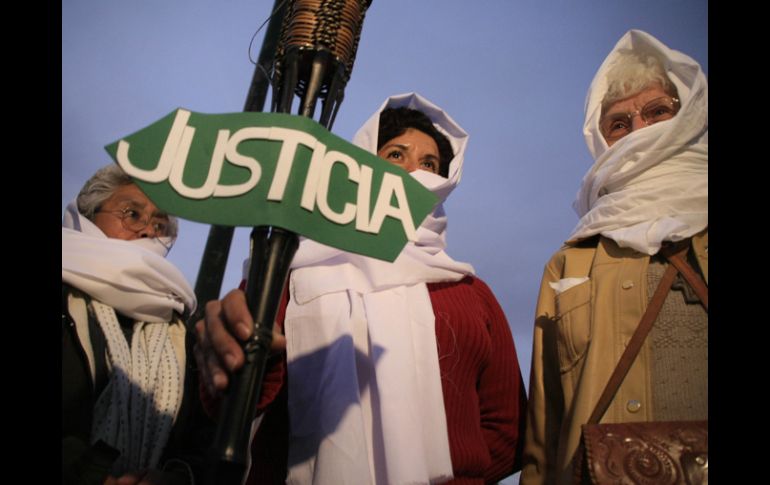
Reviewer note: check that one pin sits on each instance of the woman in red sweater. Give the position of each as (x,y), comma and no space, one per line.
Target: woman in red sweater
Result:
(402,372)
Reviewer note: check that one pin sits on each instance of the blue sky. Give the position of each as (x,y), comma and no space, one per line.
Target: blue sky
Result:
(514,74)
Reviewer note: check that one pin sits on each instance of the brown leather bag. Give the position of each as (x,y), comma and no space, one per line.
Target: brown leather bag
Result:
(645,452)
(641,453)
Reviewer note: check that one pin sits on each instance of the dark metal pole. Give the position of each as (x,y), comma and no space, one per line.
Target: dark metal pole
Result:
(214,261)
(255,100)
(272,250)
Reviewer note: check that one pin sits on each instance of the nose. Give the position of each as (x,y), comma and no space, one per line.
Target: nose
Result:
(148,230)
(637,122)
(411,163)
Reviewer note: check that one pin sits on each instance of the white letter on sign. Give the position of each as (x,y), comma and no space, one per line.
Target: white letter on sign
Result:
(176,147)
(236,158)
(392,185)
(215,170)
(349,212)
(290,138)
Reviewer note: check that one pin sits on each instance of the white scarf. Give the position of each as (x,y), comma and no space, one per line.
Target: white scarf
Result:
(135,412)
(365,398)
(651,185)
(134,277)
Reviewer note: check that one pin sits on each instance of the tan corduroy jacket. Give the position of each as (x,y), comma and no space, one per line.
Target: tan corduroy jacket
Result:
(579,336)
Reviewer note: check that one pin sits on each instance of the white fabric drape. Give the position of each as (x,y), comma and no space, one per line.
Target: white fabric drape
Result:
(134,277)
(365,397)
(652,185)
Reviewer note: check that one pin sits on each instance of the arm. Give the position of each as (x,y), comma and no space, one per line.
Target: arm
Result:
(545,405)
(502,397)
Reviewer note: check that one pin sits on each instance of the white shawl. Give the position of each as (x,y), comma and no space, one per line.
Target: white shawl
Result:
(652,185)
(365,397)
(135,412)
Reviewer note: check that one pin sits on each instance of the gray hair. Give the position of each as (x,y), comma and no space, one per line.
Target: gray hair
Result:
(632,73)
(101,186)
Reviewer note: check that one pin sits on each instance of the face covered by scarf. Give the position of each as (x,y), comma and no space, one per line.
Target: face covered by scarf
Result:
(134,277)
(651,185)
(365,396)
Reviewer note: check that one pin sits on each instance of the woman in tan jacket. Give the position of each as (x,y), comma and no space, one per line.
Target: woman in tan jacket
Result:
(647,128)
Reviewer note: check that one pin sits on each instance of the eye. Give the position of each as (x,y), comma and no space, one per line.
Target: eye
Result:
(659,112)
(619,125)
(429,165)
(131,215)
(616,126)
(394,155)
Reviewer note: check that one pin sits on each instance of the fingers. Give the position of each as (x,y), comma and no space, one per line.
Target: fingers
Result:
(237,315)
(279,341)
(131,478)
(155,477)
(217,351)
(239,321)
(210,372)
(225,322)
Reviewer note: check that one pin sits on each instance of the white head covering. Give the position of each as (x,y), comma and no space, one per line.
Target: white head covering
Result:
(365,397)
(651,185)
(135,412)
(134,277)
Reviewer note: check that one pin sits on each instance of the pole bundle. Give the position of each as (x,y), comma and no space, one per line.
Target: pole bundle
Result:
(313,60)
(315,56)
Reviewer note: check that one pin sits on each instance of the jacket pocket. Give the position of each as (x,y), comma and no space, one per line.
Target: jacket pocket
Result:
(573,317)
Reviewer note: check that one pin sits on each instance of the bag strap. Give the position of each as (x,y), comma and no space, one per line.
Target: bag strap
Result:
(674,252)
(692,277)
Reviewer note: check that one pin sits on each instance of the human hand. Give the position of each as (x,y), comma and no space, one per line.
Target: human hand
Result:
(217,350)
(141,477)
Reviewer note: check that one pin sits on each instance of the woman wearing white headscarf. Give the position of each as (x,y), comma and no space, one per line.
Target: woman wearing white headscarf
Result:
(123,335)
(395,373)
(647,128)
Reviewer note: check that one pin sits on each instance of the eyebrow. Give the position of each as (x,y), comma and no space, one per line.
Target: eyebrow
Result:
(398,145)
(406,146)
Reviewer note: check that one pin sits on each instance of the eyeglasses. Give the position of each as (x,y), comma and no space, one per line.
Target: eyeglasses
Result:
(135,221)
(618,125)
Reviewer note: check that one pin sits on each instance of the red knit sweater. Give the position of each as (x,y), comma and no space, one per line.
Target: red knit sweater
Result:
(484,394)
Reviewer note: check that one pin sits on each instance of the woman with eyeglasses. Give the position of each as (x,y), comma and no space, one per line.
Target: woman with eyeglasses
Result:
(647,129)
(124,359)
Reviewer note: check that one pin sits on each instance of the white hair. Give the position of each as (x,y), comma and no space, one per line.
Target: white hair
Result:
(632,73)
(101,186)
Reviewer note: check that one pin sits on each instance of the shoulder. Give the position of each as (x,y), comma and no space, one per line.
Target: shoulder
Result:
(701,240)
(573,253)
(469,292)
(470,284)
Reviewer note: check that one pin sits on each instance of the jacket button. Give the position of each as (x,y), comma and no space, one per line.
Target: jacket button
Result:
(627,284)
(633,406)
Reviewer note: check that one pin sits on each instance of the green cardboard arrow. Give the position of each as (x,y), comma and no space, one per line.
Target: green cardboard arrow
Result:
(257,169)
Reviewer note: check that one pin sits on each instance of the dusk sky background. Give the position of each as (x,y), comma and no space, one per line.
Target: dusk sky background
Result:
(514,74)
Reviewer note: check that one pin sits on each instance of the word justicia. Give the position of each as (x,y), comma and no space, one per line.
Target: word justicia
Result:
(174,158)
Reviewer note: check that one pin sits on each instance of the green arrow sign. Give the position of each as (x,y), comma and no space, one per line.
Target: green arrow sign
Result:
(257,169)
